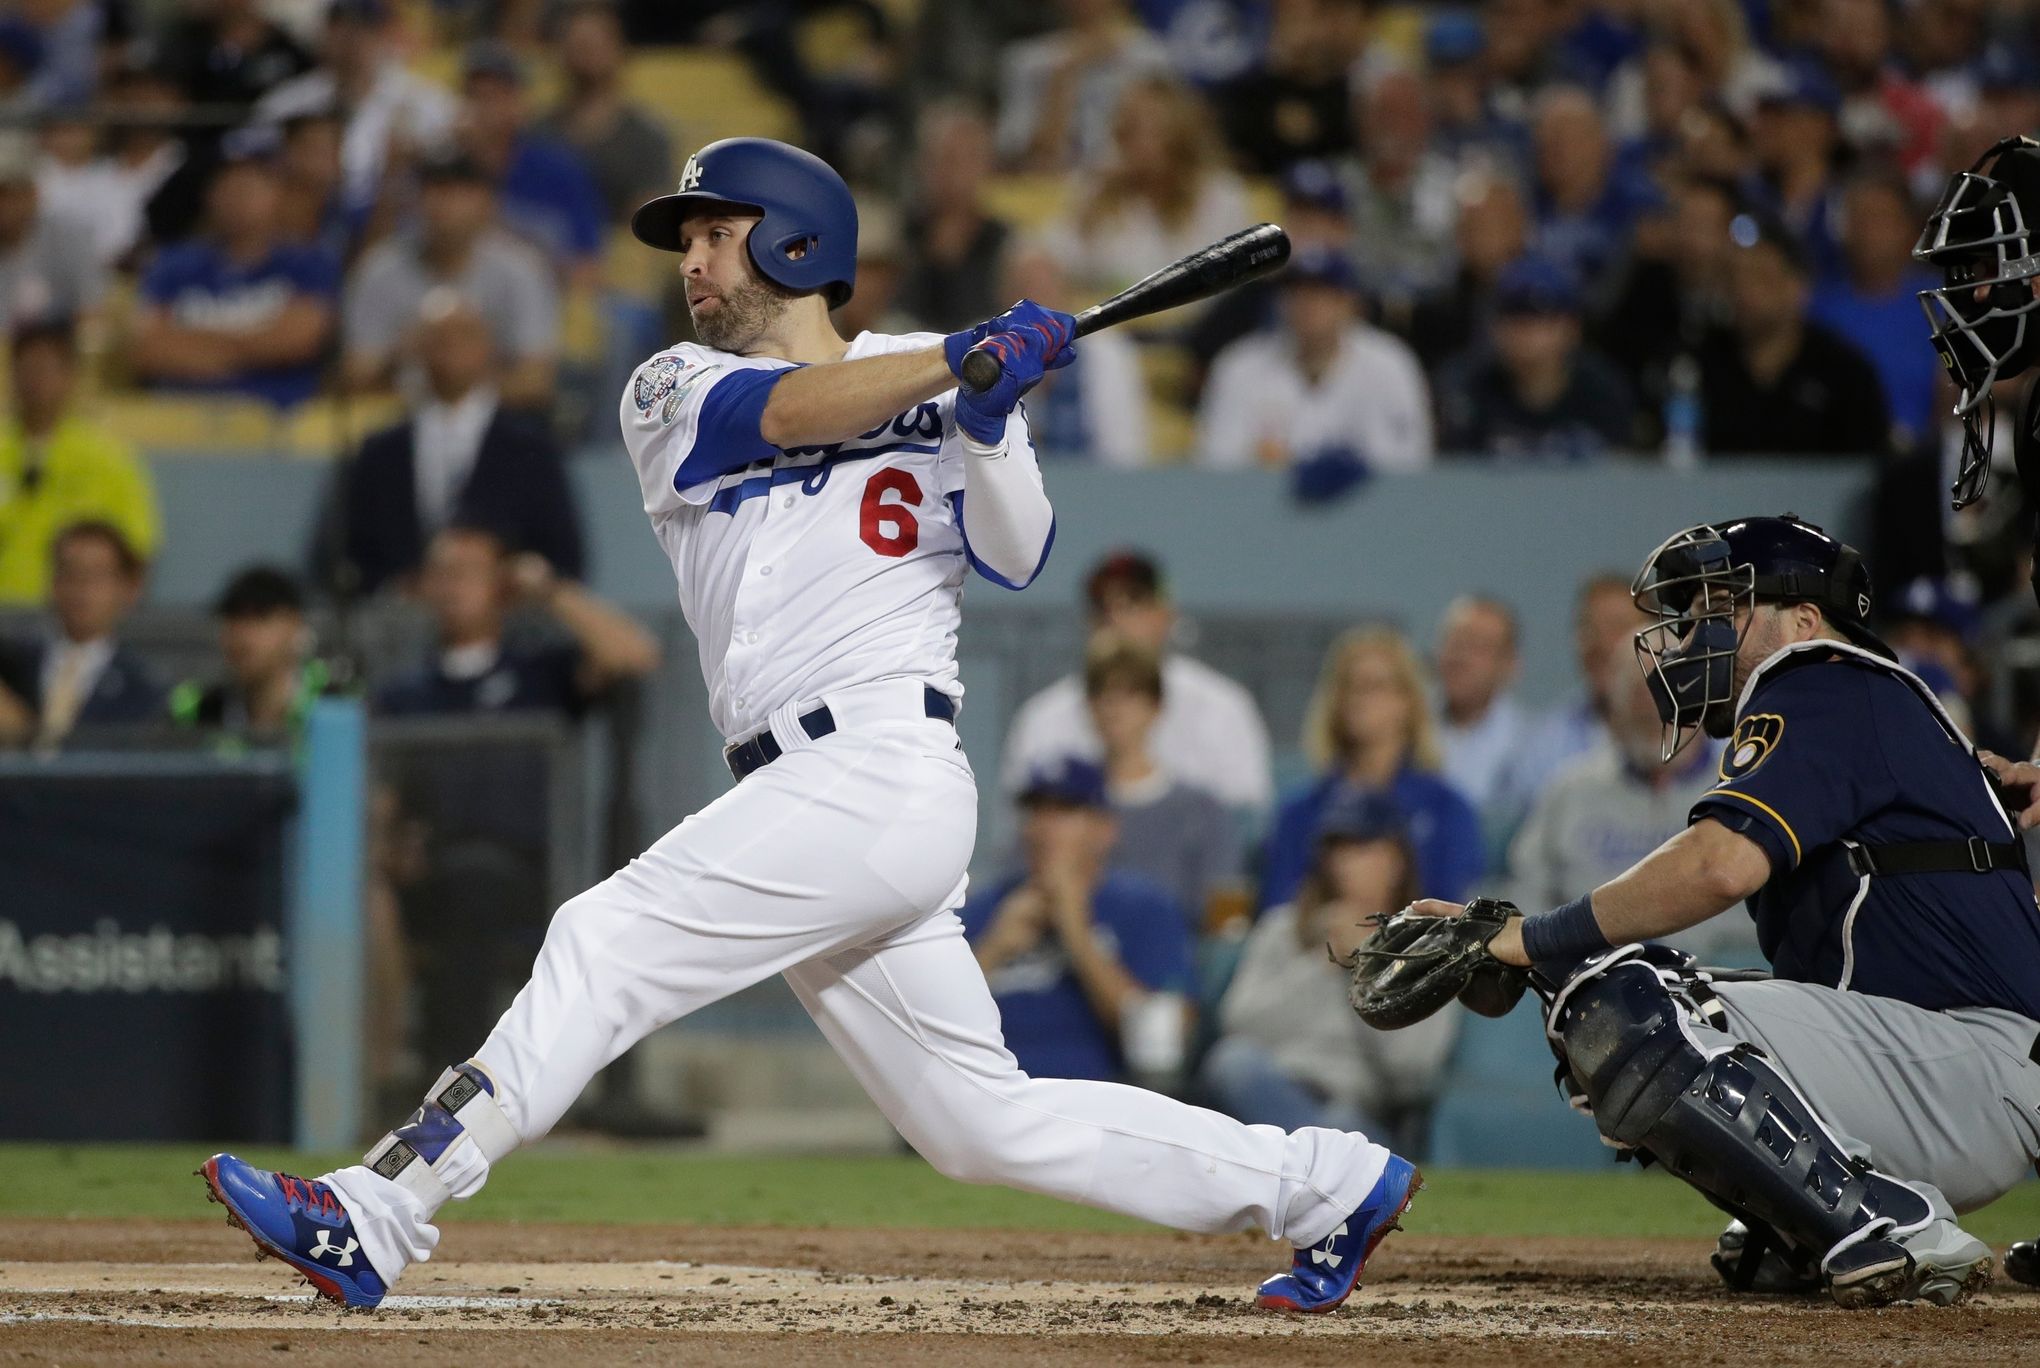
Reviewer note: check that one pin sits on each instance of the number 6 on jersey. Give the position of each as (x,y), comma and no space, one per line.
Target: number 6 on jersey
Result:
(891,529)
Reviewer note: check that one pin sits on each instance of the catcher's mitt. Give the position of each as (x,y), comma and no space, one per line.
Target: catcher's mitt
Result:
(1411,966)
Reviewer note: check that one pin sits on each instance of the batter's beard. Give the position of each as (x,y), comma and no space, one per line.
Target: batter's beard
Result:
(743,315)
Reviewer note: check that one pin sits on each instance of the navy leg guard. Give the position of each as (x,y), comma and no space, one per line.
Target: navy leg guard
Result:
(1721,1117)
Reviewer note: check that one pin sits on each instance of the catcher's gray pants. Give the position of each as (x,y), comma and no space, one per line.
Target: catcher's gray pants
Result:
(1948,1099)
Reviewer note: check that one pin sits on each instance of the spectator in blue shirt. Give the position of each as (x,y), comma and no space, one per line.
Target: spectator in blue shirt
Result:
(1585,201)
(237,310)
(1370,730)
(1795,134)
(1875,303)
(546,194)
(1090,965)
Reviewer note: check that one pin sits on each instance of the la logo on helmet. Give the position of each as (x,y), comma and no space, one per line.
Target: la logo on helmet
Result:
(690,174)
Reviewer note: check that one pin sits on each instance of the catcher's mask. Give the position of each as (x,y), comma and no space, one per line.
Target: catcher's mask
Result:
(1699,581)
(1979,316)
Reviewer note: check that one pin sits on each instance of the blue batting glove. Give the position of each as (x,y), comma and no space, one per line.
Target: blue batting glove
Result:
(1050,326)
(982,414)
(957,343)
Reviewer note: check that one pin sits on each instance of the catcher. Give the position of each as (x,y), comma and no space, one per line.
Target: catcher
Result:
(1884,1078)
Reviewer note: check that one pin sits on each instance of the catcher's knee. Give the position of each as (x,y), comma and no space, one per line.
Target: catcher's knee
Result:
(1623,1034)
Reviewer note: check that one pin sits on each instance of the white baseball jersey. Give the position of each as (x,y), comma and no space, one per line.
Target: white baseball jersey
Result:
(821,567)
(841,864)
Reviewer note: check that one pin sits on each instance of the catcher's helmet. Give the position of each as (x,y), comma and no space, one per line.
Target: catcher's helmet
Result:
(1694,583)
(804,205)
(1981,237)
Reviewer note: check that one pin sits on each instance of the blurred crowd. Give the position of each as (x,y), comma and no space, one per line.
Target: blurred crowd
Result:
(1526,232)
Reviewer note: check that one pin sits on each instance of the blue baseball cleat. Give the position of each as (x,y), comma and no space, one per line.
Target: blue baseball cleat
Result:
(1326,1273)
(300,1221)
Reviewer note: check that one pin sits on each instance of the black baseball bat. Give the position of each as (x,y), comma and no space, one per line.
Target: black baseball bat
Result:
(1245,255)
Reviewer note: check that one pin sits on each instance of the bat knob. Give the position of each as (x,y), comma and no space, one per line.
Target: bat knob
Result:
(981,370)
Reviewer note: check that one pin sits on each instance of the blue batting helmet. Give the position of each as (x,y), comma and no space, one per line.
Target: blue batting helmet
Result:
(804,206)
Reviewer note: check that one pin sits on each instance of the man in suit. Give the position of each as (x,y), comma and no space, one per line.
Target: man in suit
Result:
(80,675)
(460,458)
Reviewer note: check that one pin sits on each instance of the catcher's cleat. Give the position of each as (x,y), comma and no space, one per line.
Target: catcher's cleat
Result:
(2022,1262)
(1324,1274)
(1879,1272)
(297,1220)
(1758,1261)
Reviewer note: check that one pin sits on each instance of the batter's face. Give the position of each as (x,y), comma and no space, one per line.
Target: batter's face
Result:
(731,304)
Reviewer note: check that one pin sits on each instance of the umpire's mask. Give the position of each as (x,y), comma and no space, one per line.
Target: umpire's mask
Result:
(1980,317)
(1692,587)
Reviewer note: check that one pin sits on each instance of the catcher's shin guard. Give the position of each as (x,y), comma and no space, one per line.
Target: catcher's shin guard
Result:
(1723,1119)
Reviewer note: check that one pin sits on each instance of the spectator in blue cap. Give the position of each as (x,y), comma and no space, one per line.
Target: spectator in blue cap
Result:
(1468,124)
(1535,393)
(1315,214)
(20,55)
(1090,965)
(1289,1052)
(1934,624)
(237,310)
(1794,134)
(1324,394)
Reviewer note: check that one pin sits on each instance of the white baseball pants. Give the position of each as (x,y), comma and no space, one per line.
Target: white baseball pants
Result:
(839,865)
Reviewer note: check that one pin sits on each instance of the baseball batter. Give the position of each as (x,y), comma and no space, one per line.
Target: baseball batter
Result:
(821,501)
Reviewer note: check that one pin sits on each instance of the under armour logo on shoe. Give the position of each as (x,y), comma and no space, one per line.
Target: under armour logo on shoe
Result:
(346,1252)
(1322,1254)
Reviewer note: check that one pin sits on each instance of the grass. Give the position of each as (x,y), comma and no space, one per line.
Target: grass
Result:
(661,1187)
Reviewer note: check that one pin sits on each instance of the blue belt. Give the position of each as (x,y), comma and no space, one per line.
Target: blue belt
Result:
(748,757)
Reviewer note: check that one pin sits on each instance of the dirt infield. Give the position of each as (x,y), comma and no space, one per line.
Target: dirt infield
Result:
(563,1296)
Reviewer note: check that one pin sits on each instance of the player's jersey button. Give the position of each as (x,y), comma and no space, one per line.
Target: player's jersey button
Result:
(786,502)
(764,569)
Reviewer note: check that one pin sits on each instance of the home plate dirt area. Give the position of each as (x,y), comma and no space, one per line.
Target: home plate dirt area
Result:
(108,1291)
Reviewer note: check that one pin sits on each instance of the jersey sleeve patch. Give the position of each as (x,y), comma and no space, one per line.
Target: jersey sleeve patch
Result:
(1756,736)
(655,380)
